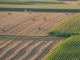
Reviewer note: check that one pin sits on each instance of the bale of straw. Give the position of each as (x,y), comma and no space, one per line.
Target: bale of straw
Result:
(25,11)
(72,13)
(9,12)
(39,27)
(44,18)
(30,12)
(33,18)
(67,13)
(2,29)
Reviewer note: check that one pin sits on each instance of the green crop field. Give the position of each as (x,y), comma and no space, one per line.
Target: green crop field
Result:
(68,50)
(49,6)
(70,26)
(20,5)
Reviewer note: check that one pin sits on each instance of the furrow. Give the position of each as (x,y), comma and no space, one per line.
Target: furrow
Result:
(24,25)
(36,30)
(31,28)
(46,28)
(37,55)
(18,50)
(43,27)
(52,49)
(5,51)
(6,43)
(23,50)
(33,52)
(29,50)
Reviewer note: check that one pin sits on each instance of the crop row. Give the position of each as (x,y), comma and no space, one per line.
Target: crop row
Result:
(25,49)
(22,23)
(67,28)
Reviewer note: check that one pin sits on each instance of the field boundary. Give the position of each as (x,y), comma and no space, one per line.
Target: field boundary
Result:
(32,3)
(19,37)
(40,10)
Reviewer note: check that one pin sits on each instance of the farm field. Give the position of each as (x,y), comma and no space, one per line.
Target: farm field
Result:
(26,0)
(68,27)
(49,6)
(23,24)
(36,0)
(40,5)
(27,48)
(68,50)
(39,30)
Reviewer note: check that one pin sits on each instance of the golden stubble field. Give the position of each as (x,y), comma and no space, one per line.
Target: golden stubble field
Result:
(34,24)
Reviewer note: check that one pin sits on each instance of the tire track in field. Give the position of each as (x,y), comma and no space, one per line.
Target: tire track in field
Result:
(6,47)
(6,43)
(46,28)
(5,14)
(36,22)
(18,50)
(19,23)
(31,33)
(5,51)
(29,23)
(1,42)
(51,26)
(37,31)
(9,18)
(10,52)
(34,50)
(48,49)
(52,49)
(29,50)
(14,18)
(25,25)
(29,29)
(37,55)
(22,51)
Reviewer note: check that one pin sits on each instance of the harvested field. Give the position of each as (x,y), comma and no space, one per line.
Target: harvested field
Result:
(36,48)
(22,23)
(72,2)
(5,14)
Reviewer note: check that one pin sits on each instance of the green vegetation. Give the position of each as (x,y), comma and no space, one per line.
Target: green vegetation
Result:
(42,7)
(49,6)
(68,50)
(20,5)
(70,26)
